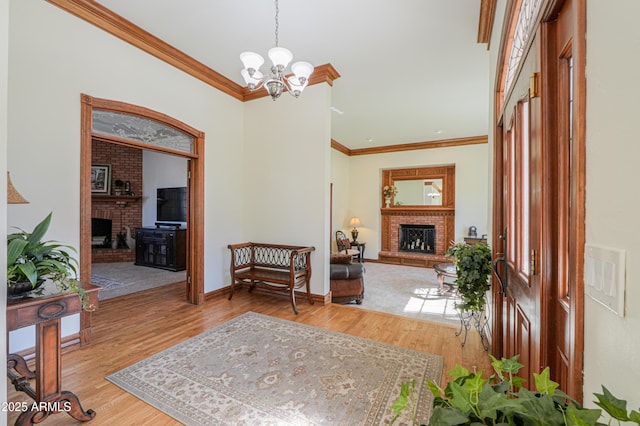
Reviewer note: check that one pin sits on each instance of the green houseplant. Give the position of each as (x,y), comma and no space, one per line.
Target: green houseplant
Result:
(473,268)
(470,399)
(31,260)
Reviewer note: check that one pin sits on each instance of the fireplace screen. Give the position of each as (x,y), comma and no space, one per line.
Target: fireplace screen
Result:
(417,238)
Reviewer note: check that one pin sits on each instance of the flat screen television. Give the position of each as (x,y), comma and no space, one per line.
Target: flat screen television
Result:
(172,204)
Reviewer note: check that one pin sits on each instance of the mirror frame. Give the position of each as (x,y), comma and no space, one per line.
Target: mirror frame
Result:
(445,172)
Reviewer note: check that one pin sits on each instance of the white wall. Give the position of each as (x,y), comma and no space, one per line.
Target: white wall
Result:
(159,171)
(612,347)
(341,208)
(365,199)
(4,59)
(53,58)
(287,172)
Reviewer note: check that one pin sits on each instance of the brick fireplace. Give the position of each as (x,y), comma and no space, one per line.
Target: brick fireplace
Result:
(441,218)
(443,221)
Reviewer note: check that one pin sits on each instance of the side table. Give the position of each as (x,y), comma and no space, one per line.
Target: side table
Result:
(445,269)
(45,313)
(360,246)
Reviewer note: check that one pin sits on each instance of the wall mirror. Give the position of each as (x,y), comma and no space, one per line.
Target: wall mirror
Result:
(418,192)
(421,187)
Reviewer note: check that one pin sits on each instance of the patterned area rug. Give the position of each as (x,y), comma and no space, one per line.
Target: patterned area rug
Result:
(120,278)
(257,369)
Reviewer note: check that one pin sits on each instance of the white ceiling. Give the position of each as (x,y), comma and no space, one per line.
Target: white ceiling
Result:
(411,70)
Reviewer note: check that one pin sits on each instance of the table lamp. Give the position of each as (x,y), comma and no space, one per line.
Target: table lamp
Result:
(355,222)
(13,196)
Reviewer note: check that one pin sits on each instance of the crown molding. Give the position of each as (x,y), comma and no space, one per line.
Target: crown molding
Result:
(485,23)
(105,19)
(339,147)
(445,143)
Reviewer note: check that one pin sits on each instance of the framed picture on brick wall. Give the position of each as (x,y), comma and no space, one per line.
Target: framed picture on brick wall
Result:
(101,179)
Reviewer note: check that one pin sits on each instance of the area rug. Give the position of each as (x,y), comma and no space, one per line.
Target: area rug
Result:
(120,278)
(256,370)
(409,291)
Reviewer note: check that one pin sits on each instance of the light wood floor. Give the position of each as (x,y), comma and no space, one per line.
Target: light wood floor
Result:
(130,328)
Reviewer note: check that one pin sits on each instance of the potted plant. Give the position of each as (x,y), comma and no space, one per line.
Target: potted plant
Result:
(31,260)
(473,268)
(470,399)
(389,191)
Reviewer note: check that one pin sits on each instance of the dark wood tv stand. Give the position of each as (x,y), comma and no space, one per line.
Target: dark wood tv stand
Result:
(162,247)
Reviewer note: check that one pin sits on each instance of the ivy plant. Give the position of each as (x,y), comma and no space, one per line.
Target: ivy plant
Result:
(471,399)
(473,268)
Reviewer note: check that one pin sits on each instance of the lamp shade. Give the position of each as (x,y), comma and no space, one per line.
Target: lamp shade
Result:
(302,69)
(251,60)
(13,196)
(355,222)
(280,56)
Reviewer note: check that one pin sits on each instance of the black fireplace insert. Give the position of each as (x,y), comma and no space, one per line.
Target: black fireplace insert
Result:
(417,238)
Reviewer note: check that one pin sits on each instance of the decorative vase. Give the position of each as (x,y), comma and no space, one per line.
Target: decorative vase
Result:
(387,201)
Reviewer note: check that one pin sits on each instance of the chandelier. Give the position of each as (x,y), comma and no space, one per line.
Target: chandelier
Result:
(276,81)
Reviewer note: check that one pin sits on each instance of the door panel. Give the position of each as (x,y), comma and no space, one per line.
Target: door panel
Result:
(522,177)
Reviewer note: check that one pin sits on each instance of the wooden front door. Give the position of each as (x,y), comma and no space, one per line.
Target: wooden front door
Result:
(522,219)
(539,203)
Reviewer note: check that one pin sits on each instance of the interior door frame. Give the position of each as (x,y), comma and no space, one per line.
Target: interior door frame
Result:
(195,185)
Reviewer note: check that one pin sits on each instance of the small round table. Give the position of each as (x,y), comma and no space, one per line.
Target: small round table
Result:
(445,269)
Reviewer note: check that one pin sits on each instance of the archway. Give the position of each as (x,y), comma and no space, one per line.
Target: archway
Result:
(192,150)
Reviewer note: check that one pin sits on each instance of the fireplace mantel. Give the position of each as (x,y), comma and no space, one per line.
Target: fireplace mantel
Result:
(417,211)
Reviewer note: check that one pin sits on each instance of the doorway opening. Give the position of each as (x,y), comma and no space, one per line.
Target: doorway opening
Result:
(175,138)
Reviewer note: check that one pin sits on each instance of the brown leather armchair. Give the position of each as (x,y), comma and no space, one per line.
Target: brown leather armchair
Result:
(346,279)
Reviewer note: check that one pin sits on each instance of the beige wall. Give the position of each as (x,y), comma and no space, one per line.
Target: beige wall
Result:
(365,199)
(267,165)
(612,346)
(4,60)
(341,208)
(287,169)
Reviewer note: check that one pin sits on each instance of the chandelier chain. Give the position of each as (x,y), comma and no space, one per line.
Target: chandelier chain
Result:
(277,25)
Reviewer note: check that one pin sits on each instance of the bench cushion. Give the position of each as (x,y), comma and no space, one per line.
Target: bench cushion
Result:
(264,274)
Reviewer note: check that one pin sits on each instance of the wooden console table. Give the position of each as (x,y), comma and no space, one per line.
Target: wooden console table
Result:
(45,313)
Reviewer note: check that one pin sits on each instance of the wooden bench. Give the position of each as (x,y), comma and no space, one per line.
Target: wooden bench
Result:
(278,268)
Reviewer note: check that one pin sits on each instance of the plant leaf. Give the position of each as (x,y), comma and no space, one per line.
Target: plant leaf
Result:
(615,407)
(458,371)
(14,250)
(634,416)
(544,383)
(540,408)
(447,417)
(434,388)
(582,416)
(511,365)
(40,230)
(459,397)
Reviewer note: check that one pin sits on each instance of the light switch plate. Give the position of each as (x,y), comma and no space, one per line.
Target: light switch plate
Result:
(605,276)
